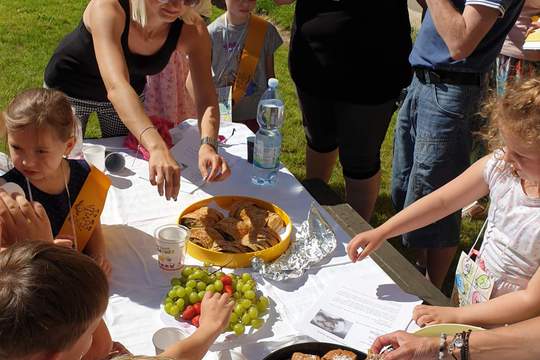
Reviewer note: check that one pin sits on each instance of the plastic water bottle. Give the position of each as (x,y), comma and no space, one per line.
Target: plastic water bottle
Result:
(270,113)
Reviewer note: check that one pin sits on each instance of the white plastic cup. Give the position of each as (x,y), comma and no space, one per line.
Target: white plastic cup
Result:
(95,154)
(165,337)
(171,245)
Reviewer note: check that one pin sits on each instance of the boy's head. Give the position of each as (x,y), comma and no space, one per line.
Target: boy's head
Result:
(239,10)
(51,300)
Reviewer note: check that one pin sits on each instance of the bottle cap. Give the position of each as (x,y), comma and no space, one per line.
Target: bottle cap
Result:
(273,82)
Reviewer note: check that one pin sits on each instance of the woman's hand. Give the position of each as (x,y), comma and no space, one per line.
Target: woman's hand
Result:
(21,219)
(407,346)
(369,241)
(165,173)
(429,315)
(208,158)
(216,310)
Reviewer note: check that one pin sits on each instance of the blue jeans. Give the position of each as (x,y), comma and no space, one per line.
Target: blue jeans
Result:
(432,143)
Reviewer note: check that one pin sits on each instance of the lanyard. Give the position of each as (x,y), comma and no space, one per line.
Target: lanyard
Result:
(230,53)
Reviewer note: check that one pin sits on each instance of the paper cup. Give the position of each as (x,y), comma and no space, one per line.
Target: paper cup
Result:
(171,245)
(95,154)
(165,337)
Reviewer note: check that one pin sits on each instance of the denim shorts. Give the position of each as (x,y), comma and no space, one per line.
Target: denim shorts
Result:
(432,143)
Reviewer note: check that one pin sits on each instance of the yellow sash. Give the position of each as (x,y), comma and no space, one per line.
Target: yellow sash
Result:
(87,208)
(250,56)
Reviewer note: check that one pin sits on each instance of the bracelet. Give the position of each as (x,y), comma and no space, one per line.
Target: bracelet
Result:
(465,348)
(442,346)
(144,130)
(456,343)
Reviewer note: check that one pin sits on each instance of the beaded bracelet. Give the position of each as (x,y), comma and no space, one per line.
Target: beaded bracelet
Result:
(465,348)
(442,346)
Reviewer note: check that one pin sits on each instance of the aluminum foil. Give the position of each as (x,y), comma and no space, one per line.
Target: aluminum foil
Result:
(313,242)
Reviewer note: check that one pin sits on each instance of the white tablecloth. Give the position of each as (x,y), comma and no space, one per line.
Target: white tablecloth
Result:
(134,209)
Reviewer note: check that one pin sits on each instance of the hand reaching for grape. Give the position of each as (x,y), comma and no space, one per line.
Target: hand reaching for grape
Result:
(367,241)
(216,310)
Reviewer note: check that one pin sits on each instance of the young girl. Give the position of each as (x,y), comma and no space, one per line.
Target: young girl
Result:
(35,277)
(39,125)
(510,251)
(241,79)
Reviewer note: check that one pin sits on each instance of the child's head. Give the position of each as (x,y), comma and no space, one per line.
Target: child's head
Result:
(514,123)
(240,9)
(52,299)
(40,125)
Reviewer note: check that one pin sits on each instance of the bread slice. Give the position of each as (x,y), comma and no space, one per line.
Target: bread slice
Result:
(339,354)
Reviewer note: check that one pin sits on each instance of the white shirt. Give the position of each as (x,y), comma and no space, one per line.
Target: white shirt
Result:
(511,246)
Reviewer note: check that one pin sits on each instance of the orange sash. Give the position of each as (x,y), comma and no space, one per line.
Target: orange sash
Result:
(87,208)
(250,56)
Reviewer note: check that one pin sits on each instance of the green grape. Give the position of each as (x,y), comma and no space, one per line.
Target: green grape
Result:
(246,319)
(200,295)
(237,295)
(174,310)
(253,312)
(251,283)
(234,318)
(180,292)
(180,303)
(207,264)
(239,285)
(246,277)
(261,307)
(186,271)
(219,274)
(205,278)
(193,298)
(191,277)
(211,279)
(249,294)
(176,281)
(211,288)
(188,290)
(218,284)
(257,323)
(201,286)
(167,300)
(198,274)
(264,300)
(234,282)
(246,287)
(168,308)
(172,293)
(191,284)
(239,309)
(245,303)
(239,329)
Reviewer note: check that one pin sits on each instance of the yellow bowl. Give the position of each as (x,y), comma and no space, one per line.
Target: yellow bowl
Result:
(243,259)
(451,329)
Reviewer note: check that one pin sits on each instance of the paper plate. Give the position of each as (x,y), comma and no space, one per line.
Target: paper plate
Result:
(313,348)
(243,259)
(437,329)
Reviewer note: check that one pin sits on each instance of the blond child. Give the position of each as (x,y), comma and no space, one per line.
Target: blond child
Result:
(510,252)
(229,33)
(42,320)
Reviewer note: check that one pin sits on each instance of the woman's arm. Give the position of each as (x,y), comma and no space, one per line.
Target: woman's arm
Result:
(106,21)
(461,191)
(196,42)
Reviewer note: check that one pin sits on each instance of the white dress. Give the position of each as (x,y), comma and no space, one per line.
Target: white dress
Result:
(511,247)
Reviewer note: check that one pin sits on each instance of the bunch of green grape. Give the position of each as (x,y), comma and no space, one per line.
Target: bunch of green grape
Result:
(183,301)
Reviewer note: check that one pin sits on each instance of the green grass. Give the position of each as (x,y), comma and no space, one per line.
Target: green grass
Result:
(31,29)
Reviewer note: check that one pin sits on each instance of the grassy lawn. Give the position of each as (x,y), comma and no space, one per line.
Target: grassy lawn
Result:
(31,29)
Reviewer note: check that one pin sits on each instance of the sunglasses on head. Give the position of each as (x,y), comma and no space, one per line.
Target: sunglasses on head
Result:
(185,2)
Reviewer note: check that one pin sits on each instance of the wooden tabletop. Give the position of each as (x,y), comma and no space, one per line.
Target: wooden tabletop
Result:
(387,257)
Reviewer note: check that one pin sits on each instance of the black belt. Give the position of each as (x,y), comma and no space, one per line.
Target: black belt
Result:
(429,76)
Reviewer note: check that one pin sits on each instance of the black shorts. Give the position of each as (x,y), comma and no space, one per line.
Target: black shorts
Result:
(358,131)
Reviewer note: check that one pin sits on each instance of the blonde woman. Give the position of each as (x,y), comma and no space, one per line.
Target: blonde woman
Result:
(102,67)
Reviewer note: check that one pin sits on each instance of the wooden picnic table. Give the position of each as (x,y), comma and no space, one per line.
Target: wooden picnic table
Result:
(402,272)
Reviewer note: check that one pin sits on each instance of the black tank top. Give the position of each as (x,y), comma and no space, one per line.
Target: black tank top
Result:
(73,67)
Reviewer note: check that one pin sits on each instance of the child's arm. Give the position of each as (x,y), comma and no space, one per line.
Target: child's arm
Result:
(95,248)
(270,72)
(216,311)
(507,309)
(461,191)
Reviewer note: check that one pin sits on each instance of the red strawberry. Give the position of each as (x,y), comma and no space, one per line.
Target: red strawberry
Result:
(197,307)
(195,321)
(226,280)
(228,289)
(189,313)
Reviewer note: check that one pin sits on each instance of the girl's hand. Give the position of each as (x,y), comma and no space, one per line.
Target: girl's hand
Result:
(369,241)
(216,310)
(22,220)
(103,263)
(208,158)
(429,315)
(165,173)
(407,346)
